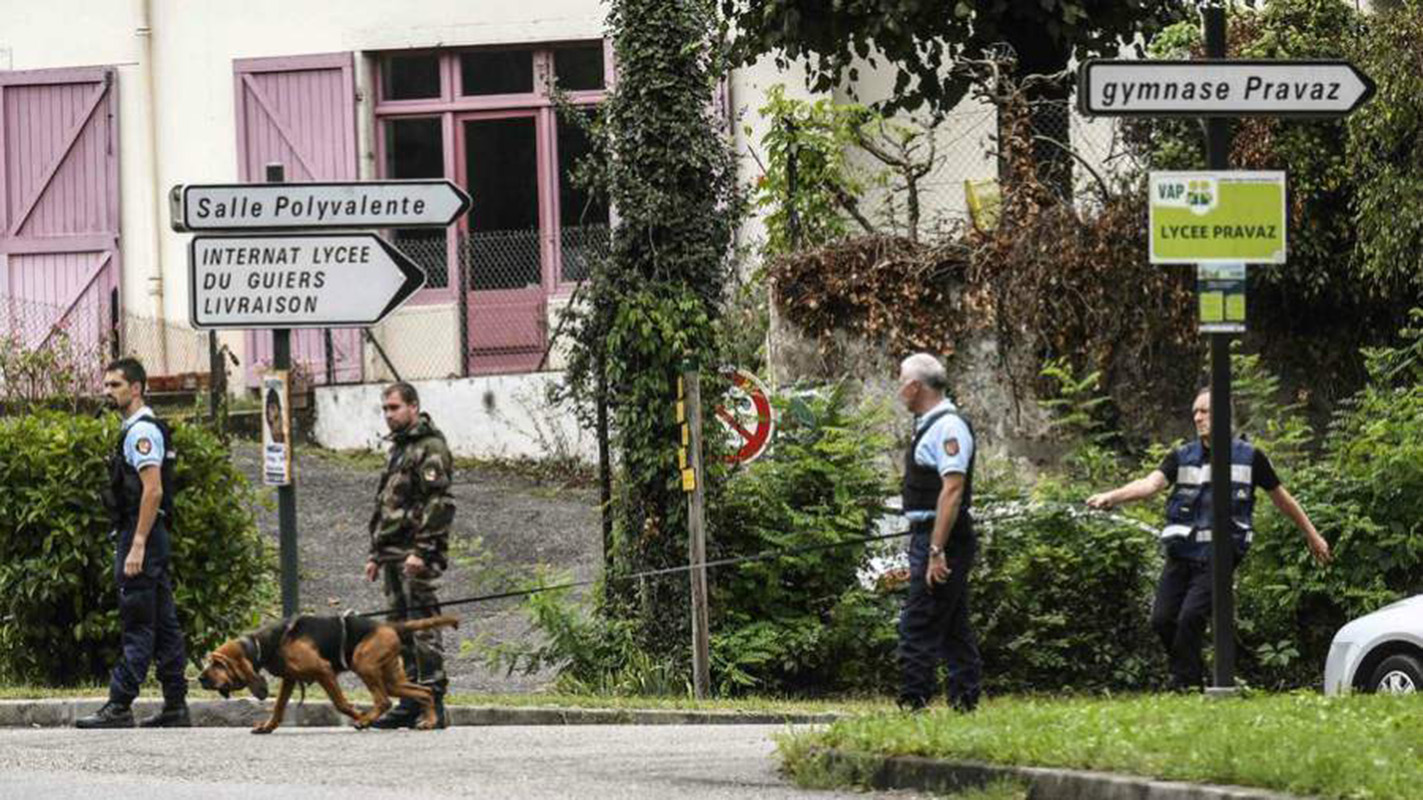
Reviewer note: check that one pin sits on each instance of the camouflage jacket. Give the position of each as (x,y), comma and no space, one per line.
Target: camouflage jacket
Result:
(414,507)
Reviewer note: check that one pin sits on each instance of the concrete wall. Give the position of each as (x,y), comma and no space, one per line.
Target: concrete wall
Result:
(490,417)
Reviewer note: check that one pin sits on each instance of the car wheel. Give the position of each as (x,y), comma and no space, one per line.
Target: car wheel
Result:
(1400,674)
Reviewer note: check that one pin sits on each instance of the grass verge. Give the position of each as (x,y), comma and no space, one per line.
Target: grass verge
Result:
(1306,744)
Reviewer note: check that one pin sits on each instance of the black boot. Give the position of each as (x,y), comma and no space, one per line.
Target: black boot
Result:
(911,704)
(404,715)
(112,715)
(173,715)
(442,720)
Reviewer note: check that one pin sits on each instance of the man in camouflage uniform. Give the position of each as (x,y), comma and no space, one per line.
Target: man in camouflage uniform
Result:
(410,532)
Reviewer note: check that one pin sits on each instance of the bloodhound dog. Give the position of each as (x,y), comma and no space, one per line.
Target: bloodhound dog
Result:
(315,649)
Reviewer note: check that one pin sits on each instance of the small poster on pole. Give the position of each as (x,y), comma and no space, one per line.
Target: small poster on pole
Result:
(276,430)
(1220,289)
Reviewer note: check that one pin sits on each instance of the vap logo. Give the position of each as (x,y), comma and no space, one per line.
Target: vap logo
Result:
(1195,193)
(1200,195)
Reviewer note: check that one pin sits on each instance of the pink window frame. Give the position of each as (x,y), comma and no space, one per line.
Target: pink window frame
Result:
(451,107)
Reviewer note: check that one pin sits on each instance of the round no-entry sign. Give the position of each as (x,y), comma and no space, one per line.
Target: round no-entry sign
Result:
(747,415)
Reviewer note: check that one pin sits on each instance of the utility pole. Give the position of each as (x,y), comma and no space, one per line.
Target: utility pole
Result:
(693,481)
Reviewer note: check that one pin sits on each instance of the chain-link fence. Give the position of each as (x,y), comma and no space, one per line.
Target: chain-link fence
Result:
(961,155)
(490,306)
(57,354)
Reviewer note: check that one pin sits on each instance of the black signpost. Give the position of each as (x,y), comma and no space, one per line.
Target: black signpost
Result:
(1222,546)
(1216,90)
(286,493)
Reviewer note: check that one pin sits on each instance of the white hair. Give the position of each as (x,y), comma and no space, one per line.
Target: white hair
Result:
(926,369)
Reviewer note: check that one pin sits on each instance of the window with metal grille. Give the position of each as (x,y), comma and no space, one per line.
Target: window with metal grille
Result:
(485,119)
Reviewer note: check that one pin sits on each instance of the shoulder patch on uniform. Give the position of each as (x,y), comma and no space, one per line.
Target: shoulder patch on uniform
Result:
(144,445)
(951,445)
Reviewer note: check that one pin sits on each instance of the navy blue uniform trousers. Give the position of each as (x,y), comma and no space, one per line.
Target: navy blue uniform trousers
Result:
(1179,616)
(934,626)
(150,623)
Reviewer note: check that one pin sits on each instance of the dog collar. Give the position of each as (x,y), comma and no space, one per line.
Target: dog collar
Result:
(252,649)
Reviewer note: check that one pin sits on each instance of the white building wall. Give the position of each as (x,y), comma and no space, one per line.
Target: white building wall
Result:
(193,47)
(505,416)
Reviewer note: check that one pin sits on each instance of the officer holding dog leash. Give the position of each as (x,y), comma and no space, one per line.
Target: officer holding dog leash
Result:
(410,531)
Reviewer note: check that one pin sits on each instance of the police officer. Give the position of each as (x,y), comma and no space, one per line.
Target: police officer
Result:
(140,500)
(1183,595)
(938,493)
(409,538)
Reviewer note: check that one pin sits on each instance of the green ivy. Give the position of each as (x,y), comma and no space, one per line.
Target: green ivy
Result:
(651,307)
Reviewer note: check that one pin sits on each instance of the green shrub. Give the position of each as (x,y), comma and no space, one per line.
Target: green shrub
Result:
(794,624)
(1385,155)
(774,622)
(59,621)
(592,653)
(1062,600)
(1364,493)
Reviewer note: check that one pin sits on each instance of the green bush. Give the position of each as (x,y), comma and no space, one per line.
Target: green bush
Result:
(773,625)
(1364,492)
(795,624)
(1062,600)
(59,621)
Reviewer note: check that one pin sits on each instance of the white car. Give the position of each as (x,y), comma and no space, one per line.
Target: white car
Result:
(1379,652)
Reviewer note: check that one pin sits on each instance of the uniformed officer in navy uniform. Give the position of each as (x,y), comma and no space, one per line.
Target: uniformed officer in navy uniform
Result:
(140,499)
(938,494)
(1183,596)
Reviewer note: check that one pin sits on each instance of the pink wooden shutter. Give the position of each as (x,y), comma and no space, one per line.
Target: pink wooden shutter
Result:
(299,111)
(59,205)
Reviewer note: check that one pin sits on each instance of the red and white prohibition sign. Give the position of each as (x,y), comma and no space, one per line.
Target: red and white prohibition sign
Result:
(748,415)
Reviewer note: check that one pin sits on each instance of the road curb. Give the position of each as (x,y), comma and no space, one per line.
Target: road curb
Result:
(246,712)
(934,775)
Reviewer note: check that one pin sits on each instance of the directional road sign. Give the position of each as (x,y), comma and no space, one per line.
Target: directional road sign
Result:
(285,206)
(1221,88)
(317,280)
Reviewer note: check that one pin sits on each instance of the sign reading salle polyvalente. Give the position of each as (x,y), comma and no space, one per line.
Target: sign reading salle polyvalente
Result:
(1221,88)
(341,205)
(315,280)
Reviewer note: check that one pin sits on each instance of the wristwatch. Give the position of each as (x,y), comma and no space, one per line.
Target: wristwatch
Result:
(935,550)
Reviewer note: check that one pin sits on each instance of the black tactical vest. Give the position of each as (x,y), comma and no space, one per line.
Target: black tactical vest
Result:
(125,493)
(922,484)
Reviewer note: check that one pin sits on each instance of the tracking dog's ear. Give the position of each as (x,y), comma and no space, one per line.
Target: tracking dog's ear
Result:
(256,684)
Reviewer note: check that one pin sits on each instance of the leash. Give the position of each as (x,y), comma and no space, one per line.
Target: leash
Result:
(990,515)
(651,573)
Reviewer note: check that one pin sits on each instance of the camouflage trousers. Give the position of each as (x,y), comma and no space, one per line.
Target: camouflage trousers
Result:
(405,595)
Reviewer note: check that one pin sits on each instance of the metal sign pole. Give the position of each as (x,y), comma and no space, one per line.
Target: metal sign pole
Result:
(1222,531)
(286,494)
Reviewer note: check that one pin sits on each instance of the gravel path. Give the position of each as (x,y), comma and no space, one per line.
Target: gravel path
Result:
(503,522)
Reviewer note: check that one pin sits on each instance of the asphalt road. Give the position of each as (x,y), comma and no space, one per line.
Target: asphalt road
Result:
(662,762)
